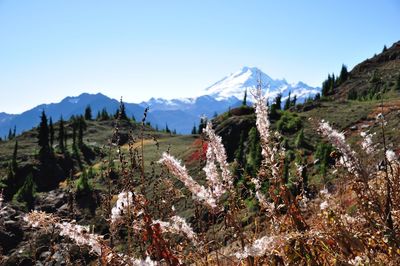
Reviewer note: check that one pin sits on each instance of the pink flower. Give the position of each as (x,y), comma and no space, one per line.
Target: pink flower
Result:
(199,192)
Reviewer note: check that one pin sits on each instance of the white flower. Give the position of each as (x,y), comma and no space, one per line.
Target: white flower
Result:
(348,157)
(391,156)
(367,144)
(125,201)
(259,248)
(324,205)
(178,225)
(199,192)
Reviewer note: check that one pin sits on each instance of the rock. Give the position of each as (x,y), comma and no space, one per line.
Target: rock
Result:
(11,232)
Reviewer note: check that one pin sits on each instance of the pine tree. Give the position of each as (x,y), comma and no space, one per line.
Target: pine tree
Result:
(299,142)
(61,135)
(194,130)
(10,134)
(239,153)
(88,113)
(133,118)
(344,74)
(167,129)
(15,131)
(121,112)
(384,48)
(82,184)
(202,125)
(278,101)
(26,194)
(51,129)
(287,103)
(81,128)
(254,156)
(14,158)
(43,136)
(244,102)
(294,101)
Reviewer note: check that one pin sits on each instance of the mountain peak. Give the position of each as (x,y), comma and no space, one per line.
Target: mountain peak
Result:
(247,78)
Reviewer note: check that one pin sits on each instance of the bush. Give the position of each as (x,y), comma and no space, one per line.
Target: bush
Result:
(289,123)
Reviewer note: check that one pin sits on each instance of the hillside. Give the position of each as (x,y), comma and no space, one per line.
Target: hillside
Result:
(382,71)
(257,184)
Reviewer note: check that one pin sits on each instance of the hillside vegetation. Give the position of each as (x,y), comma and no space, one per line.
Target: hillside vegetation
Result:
(315,183)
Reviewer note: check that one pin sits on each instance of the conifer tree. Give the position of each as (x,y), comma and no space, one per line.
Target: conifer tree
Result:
(254,156)
(344,74)
(9,134)
(278,101)
(61,135)
(167,129)
(26,194)
(244,102)
(299,142)
(239,153)
(81,128)
(43,136)
(14,158)
(51,130)
(294,101)
(287,103)
(194,131)
(88,113)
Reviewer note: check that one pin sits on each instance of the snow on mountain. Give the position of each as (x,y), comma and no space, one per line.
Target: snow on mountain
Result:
(180,114)
(247,78)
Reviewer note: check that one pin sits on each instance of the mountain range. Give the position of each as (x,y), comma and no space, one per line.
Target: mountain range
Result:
(179,114)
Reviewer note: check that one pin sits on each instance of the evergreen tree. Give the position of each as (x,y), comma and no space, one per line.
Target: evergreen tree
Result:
(299,142)
(61,135)
(121,112)
(317,97)
(384,48)
(194,130)
(43,136)
(81,128)
(278,101)
(104,115)
(98,116)
(202,125)
(344,74)
(287,103)
(51,129)
(167,129)
(10,135)
(244,102)
(254,156)
(14,158)
(82,184)
(88,113)
(133,118)
(15,131)
(239,153)
(294,101)
(26,194)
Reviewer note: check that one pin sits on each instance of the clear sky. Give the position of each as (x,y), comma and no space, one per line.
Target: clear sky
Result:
(50,49)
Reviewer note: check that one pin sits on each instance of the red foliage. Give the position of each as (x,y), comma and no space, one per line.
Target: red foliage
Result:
(200,152)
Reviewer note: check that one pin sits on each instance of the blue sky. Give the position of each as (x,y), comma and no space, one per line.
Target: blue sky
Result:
(50,49)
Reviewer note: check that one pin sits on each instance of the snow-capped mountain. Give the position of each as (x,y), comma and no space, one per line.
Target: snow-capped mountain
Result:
(247,78)
(226,93)
(179,114)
